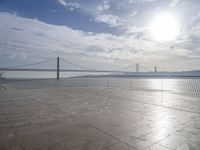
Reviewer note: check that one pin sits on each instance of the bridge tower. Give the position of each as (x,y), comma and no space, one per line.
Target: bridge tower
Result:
(137,67)
(155,69)
(58,68)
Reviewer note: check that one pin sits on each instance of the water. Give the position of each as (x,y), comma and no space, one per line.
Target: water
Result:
(42,75)
(187,85)
(184,86)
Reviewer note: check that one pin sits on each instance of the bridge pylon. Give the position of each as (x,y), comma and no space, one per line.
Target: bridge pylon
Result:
(58,68)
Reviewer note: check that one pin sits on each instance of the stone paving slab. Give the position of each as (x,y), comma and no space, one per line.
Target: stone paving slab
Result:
(97,119)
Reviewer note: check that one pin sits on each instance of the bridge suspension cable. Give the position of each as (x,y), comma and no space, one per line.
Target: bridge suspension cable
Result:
(32,64)
(69,62)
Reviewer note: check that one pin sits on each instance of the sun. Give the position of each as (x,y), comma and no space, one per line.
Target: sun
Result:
(164,27)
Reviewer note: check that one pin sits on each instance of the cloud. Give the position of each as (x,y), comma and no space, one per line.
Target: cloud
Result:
(103,7)
(118,14)
(70,5)
(102,15)
(108,19)
(23,38)
(174,3)
(139,1)
(195,31)
(62,2)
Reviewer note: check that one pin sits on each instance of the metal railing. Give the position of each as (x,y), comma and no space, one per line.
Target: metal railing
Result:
(177,93)
(185,85)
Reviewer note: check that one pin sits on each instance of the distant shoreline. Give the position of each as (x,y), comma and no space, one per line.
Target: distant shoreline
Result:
(139,75)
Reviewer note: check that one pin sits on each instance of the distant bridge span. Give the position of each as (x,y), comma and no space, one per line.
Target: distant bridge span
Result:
(61,70)
(57,69)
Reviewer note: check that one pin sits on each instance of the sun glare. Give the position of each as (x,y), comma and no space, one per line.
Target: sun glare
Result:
(164,27)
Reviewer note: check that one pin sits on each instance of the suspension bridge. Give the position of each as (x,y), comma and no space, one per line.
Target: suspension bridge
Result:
(27,67)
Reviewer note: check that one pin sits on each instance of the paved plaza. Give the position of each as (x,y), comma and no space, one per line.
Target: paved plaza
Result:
(98,119)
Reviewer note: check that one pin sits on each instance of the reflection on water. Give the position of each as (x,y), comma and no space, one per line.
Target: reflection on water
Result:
(163,84)
(156,84)
(189,85)
(42,75)
(170,84)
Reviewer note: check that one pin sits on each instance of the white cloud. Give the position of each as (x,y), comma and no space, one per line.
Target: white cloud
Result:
(139,1)
(70,5)
(136,29)
(109,19)
(62,2)
(195,31)
(103,7)
(30,39)
(174,3)
(102,16)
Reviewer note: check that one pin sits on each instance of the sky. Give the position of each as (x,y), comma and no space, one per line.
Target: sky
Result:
(102,34)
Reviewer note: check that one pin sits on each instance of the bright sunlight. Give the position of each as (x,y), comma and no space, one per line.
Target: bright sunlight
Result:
(164,27)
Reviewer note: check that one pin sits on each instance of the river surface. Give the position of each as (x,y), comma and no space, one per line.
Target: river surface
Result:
(184,85)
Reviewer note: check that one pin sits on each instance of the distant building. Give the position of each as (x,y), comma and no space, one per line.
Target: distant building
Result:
(155,69)
(137,68)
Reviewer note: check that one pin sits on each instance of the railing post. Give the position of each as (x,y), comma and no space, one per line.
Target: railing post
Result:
(70,82)
(131,86)
(58,68)
(87,81)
